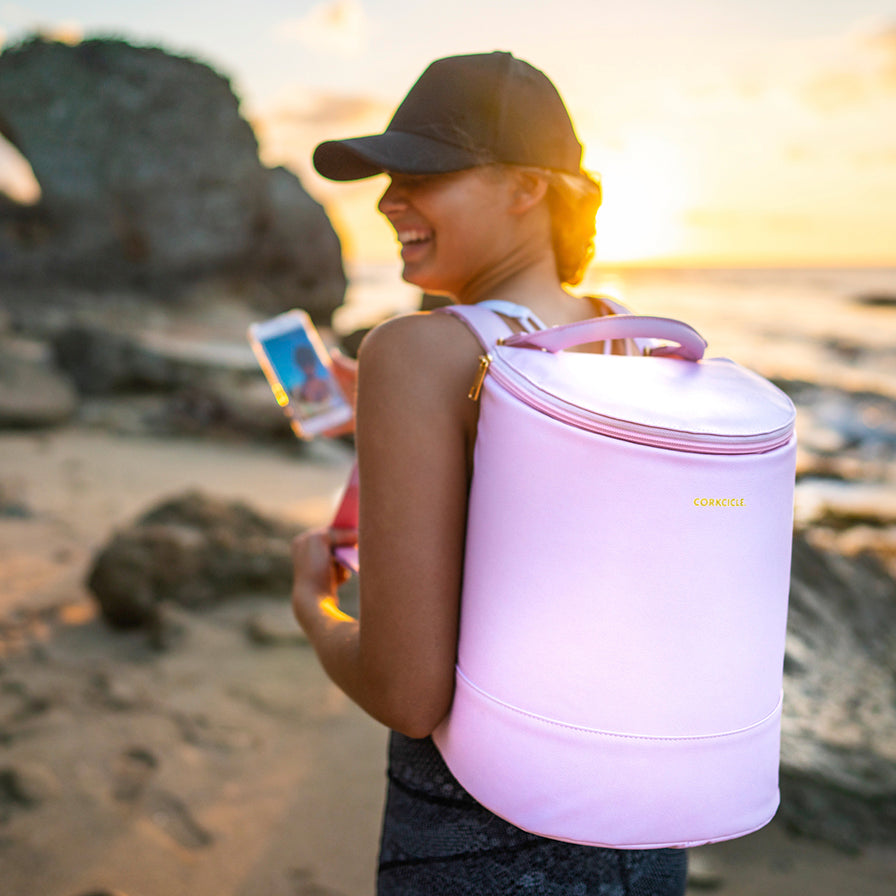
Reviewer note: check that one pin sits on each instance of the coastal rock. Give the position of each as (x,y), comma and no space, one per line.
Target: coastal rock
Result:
(831,421)
(33,392)
(101,361)
(191,550)
(172,193)
(876,299)
(201,383)
(838,772)
(26,786)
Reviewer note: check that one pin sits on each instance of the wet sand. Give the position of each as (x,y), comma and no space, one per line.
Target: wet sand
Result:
(221,765)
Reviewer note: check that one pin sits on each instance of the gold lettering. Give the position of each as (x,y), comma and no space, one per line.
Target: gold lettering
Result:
(720,502)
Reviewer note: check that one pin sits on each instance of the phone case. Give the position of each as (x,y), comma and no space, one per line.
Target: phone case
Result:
(298,369)
(346,517)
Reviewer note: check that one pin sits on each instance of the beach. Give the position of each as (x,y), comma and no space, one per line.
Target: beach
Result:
(223,762)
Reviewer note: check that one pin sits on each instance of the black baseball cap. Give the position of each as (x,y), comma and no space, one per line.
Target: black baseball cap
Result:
(462,112)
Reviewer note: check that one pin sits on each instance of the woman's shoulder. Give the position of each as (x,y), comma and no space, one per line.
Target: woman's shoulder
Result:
(421,340)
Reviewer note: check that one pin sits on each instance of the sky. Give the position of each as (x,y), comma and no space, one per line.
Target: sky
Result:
(726,132)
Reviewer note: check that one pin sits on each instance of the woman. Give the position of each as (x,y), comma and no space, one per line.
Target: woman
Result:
(489,202)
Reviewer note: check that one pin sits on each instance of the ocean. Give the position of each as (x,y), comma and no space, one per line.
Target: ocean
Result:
(830,326)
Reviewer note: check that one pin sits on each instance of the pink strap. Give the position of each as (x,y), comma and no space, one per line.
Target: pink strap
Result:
(487,326)
(689,344)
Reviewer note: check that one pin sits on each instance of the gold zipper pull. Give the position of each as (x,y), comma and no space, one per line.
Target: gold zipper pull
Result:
(476,388)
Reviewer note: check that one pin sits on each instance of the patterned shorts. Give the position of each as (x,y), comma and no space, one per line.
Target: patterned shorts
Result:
(438,841)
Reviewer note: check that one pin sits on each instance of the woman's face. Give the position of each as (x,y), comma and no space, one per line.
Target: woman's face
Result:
(454,229)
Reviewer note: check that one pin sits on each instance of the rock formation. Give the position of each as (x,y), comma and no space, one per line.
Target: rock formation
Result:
(838,757)
(150,178)
(191,550)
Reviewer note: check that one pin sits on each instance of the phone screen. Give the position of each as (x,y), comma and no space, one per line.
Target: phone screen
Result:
(299,374)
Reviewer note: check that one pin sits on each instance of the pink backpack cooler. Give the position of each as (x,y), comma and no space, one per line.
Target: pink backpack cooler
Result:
(624,604)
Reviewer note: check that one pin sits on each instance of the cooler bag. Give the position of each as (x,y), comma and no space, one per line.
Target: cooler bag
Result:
(623,614)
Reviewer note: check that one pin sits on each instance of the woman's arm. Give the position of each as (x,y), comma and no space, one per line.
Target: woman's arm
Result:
(414,431)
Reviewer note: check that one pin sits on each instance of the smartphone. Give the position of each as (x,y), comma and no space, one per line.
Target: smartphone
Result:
(298,368)
(346,517)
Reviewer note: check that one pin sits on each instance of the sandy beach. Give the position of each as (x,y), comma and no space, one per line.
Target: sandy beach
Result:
(204,752)
(225,764)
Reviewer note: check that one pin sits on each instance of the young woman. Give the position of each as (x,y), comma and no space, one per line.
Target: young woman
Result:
(489,202)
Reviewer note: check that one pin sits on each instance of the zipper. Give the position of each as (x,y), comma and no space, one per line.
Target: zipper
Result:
(625,430)
(484,363)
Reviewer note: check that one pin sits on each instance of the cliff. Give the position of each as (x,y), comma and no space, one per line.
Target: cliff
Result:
(150,179)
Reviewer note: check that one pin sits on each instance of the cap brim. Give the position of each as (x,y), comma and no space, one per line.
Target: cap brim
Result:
(396,151)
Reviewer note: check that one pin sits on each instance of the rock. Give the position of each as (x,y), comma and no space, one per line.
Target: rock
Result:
(876,300)
(33,392)
(134,769)
(838,771)
(702,872)
(201,383)
(297,250)
(103,359)
(842,505)
(102,892)
(172,194)
(192,551)
(13,504)
(832,420)
(27,785)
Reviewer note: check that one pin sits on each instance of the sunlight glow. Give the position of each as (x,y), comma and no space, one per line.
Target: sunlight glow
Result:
(646,188)
(337,26)
(17,180)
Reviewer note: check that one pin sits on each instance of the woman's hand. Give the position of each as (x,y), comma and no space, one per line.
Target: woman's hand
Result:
(317,575)
(415,426)
(345,370)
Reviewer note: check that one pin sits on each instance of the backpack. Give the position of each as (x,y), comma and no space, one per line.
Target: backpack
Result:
(624,603)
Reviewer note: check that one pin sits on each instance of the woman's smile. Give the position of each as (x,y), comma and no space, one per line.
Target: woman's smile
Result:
(447,226)
(414,243)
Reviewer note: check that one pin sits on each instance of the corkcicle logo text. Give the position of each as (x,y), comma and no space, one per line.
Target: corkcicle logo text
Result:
(719,502)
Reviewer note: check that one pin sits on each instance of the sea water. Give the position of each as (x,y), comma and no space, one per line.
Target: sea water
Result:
(831,328)
(812,324)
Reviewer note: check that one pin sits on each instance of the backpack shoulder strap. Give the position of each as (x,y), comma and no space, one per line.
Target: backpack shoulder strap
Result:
(486,323)
(487,326)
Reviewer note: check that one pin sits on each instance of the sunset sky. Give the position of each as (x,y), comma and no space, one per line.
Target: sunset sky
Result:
(725,131)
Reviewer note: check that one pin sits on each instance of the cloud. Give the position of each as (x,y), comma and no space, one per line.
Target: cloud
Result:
(328,110)
(884,40)
(883,45)
(865,71)
(731,219)
(19,23)
(336,26)
(835,90)
(289,131)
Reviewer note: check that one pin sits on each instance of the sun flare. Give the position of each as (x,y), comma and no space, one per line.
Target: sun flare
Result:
(646,191)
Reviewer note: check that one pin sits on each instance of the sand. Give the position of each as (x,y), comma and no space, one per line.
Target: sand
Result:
(220,765)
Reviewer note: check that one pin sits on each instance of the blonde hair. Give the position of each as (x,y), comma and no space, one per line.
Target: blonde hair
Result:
(573,201)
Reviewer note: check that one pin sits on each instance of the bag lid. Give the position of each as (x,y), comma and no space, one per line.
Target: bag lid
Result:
(712,405)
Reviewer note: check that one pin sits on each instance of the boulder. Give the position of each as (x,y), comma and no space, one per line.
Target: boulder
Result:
(838,768)
(192,550)
(33,391)
(159,382)
(150,176)
(876,299)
